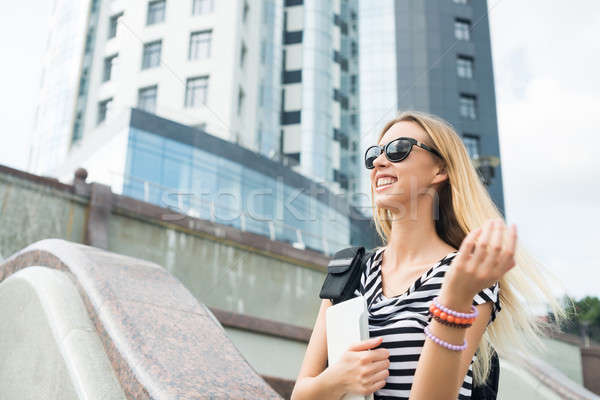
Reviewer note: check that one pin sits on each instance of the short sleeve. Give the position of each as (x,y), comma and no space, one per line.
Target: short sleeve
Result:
(490,294)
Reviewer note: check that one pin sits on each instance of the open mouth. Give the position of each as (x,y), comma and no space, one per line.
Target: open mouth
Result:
(385,182)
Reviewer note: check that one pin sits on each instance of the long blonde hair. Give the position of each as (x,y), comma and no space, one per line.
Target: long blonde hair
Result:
(465,204)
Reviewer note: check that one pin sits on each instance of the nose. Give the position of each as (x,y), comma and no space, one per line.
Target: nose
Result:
(381,160)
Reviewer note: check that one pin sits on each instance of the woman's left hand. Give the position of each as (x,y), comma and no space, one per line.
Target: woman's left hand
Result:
(485,255)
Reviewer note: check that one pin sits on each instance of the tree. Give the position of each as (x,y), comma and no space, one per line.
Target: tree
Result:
(583,316)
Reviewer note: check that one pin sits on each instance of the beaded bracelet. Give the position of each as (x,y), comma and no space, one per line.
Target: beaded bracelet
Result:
(452,324)
(448,311)
(436,312)
(454,318)
(443,343)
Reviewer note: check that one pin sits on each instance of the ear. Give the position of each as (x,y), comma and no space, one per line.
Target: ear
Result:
(441,175)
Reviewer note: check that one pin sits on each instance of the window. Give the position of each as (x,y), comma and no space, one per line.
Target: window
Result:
(104,108)
(461,1)
(243,52)
(200,7)
(147,98)
(77,127)
(472,144)
(467,106)
(195,91)
(83,82)
(240,105)
(156,12)
(464,67)
(461,29)
(113,24)
(245,11)
(353,83)
(109,63)
(151,56)
(263,52)
(200,45)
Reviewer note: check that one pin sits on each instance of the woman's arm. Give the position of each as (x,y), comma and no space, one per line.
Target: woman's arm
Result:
(313,381)
(485,256)
(360,369)
(440,372)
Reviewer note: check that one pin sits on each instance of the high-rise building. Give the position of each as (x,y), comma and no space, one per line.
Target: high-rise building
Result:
(276,77)
(432,56)
(319,118)
(203,63)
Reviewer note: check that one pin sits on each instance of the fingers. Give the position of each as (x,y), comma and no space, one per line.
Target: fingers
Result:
(481,246)
(366,344)
(467,246)
(495,245)
(379,376)
(378,366)
(377,355)
(376,387)
(508,252)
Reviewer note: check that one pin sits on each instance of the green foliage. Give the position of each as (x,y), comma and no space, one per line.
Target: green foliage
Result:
(582,315)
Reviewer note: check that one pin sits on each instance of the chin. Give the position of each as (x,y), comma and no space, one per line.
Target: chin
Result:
(382,202)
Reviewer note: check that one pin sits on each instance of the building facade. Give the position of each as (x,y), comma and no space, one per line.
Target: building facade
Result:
(273,76)
(432,56)
(319,101)
(156,160)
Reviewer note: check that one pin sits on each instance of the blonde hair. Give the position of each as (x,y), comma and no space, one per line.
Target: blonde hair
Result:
(464,205)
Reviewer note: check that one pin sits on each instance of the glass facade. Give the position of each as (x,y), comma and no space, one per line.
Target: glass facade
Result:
(267,126)
(59,85)
(202,184)
(317,88)
(378,80)
(190,172)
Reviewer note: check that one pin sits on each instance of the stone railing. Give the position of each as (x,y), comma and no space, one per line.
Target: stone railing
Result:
(160,341)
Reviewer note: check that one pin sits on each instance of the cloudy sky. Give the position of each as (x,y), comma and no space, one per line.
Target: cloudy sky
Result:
(546,61)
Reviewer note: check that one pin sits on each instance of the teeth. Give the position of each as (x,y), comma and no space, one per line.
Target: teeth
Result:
(385,181)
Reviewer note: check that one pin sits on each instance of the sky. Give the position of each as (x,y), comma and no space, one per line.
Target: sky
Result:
(546,59)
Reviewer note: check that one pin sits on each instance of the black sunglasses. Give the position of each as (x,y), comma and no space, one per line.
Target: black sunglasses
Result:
(395,151)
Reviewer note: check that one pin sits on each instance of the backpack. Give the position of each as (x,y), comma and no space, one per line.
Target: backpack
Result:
(343,274)
(343,278)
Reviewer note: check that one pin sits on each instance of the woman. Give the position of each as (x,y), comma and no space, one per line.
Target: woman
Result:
(446,245)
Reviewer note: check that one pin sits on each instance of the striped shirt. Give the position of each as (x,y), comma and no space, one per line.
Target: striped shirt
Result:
(401,320)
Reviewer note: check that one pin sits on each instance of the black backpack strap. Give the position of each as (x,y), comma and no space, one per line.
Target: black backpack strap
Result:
(489,390)
(343,274)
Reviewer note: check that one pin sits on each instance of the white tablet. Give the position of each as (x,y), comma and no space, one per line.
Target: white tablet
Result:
(347,323)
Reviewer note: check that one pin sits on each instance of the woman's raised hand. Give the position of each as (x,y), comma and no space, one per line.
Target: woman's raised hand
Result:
(361,370)
(485,255)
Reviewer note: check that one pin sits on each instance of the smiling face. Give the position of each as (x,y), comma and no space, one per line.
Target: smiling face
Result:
(393,183)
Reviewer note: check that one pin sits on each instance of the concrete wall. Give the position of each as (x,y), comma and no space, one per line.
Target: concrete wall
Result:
(223,274)
(31,211)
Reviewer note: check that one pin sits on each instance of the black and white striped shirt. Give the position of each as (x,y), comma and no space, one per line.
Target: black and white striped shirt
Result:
(401,320)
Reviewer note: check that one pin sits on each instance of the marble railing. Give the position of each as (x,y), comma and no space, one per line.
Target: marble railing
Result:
(156,338)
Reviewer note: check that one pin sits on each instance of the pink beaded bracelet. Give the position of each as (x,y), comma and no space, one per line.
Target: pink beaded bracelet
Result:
(443,343)
(448,311)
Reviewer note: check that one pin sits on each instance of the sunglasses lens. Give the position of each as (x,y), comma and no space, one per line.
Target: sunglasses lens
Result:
(398,149)
(370,155)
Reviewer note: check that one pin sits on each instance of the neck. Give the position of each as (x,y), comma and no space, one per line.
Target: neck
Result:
(414,239)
